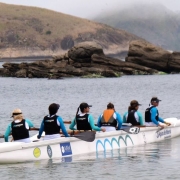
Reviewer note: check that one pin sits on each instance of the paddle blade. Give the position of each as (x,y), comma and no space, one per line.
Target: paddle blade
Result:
(131,130)
(1,136)
(88,136)
(159,129)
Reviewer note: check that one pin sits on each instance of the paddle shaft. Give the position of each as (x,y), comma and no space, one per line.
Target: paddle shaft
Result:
(128,129)
(31,129)
(73,132)
(1,136)
(87,136)
(67,122)
(34,129)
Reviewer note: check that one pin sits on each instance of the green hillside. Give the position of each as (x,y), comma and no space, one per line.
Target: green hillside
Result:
(153,22)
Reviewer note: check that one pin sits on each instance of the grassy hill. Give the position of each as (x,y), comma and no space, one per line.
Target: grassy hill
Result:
(26,31)
(153,22)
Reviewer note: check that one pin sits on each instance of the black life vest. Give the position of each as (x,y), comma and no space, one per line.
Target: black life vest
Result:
(51,126)
(108,119)
(82,122)
(131,118)
(148,114)
(19,130)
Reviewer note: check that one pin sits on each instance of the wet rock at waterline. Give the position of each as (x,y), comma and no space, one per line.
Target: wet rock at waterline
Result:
(146,54)
(84,60)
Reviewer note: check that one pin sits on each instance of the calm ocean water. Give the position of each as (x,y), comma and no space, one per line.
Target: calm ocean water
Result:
(152,161)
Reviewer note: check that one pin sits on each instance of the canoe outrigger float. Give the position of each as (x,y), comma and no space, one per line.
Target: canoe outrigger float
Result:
(15,152)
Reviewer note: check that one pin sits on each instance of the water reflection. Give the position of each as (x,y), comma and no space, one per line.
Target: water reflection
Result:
(142,163)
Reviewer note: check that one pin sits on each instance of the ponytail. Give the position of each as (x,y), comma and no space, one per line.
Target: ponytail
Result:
(132,107)
(129,108)
(77,111)
(76,114)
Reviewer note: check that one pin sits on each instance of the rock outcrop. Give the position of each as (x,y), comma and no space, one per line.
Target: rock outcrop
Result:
(174,62)
(85,59)
(149,55)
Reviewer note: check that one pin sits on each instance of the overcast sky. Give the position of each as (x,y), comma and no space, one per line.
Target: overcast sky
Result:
(88,8)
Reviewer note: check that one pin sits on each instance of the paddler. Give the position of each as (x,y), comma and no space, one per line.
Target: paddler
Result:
(133,116)
(84,120)
(152,115)
(110,119)
(52,124)
(19,128)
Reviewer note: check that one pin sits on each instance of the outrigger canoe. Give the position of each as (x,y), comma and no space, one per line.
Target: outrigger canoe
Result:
(16,152)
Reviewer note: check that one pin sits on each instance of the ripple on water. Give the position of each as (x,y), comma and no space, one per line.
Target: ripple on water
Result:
(152,161)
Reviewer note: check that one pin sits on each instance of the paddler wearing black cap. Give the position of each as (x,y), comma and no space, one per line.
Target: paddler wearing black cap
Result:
(83,120)
(52,124)
(152,115)
(133,116)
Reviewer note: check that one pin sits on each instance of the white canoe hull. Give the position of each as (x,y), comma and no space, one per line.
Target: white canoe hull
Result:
(14,152)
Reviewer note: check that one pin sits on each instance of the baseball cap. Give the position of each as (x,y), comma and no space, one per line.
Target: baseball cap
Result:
(84,105)
(134,103)
(155,99)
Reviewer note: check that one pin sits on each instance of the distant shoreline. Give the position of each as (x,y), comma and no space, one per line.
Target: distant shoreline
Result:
(26,58)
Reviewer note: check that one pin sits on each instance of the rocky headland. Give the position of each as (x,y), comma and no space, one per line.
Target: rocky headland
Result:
(87,59)
(146,54)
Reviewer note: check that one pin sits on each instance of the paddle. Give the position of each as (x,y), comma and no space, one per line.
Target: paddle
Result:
(67,122)
(1,136)
(128,129)
(159,129)
(88,136)
(34,129)
(31,129)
